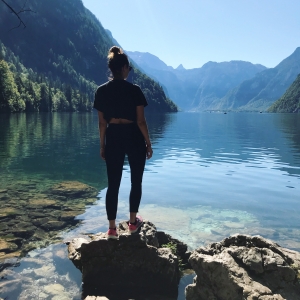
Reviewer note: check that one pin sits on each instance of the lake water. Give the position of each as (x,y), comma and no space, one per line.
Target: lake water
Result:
(211,175)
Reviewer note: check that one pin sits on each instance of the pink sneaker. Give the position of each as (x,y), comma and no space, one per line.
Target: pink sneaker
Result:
(112,234)
(134,227)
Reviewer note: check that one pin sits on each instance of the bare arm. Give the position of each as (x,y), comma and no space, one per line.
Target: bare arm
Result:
(141,122)
(102,132)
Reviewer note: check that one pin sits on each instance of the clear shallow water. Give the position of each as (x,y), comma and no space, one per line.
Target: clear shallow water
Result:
(211,175)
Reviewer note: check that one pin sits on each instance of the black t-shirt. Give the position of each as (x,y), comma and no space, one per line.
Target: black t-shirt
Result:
(119,99)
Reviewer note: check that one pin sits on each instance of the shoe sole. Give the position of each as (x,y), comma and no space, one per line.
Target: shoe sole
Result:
(112,237)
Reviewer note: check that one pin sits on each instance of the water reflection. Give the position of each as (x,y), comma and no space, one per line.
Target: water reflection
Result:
(289,124)
(43,274)
(58,146)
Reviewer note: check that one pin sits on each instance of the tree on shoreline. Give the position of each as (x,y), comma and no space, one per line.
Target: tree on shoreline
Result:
(10,100)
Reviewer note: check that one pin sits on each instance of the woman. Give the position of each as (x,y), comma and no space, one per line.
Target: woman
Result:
(123,130)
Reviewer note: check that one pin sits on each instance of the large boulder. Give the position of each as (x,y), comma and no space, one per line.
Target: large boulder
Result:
(244,267)
(133,266)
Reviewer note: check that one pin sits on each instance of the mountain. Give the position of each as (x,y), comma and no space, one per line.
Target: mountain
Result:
(199,88)
(216,79)
(290,101)
(180,67)
(259,92)
(63,46)
(148,61)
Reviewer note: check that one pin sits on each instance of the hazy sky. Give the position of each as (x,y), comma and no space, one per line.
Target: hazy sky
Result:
(193,32)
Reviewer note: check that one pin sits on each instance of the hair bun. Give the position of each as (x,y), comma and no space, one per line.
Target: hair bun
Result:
(116,59)
(115,50)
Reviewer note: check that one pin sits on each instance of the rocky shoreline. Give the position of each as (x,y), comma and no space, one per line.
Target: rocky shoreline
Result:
(144,265)
(245,267)
(148,265)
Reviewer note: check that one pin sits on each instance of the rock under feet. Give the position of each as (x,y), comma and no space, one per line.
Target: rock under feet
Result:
(133,266)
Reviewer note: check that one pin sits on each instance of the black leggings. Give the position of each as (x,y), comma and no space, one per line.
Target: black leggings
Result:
(124,139)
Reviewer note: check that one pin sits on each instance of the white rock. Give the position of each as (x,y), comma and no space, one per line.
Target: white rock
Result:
(54,289)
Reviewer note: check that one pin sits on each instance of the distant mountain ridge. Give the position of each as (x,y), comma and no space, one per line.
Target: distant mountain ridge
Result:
(261,91)
(234,85)
(199,88)
(216,79)
(147,60)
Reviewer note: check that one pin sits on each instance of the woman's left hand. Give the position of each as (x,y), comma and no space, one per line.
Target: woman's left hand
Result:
(149,152)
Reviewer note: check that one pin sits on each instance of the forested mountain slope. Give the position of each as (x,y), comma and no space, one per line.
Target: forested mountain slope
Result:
(290,101)
(218,78)
(63,46)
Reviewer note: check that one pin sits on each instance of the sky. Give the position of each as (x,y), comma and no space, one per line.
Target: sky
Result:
(193,32)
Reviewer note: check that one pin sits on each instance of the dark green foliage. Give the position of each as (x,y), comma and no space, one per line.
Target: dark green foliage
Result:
(25,90)
(63,46)
(10,99)
(290,101)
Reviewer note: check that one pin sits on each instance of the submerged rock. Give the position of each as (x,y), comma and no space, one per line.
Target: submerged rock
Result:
(72,189)
(134,265)
(32,217)
(7,246)
(244,267)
